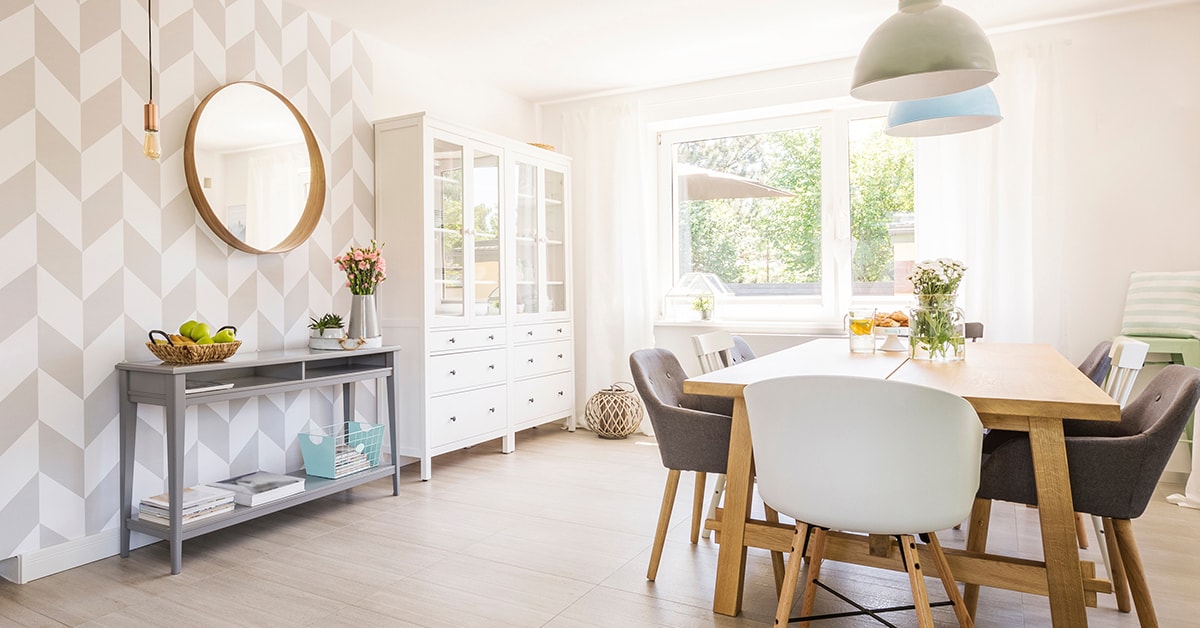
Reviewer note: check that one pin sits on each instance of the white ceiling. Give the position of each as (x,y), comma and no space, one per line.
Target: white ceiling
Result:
(546,50)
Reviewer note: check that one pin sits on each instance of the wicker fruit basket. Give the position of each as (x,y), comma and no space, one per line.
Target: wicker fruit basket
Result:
(178,353)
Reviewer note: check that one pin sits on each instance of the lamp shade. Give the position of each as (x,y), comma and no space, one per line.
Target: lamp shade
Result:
(925,50)
(945,115)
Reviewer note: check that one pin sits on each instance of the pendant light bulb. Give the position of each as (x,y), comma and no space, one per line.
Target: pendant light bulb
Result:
(151,147)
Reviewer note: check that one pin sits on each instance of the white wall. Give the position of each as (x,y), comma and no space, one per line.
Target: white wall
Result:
(1130,142)
(406,83)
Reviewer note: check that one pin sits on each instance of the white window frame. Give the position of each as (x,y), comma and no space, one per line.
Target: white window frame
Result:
(804,313)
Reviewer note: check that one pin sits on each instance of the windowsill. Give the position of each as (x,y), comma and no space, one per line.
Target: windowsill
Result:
(780,328)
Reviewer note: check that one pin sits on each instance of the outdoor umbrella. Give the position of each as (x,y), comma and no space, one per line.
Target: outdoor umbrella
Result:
(702,184)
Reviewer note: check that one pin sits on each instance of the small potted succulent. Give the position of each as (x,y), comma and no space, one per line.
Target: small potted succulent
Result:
(704,305)
(326,332)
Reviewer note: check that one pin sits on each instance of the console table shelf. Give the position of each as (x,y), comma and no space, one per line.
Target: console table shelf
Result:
(252,375)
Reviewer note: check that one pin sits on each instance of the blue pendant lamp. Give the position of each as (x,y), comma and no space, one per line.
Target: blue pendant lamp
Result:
(944,115)
(925,50)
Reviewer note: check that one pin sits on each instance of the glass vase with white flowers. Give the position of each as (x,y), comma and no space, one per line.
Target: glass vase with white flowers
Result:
(936,325)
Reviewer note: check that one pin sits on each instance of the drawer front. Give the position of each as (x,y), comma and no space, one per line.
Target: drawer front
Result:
(461,339)
(542,331)
(466,370)
(546,357)
(463,415)
(553,394)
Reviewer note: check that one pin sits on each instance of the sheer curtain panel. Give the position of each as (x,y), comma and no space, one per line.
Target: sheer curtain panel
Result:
(614,235)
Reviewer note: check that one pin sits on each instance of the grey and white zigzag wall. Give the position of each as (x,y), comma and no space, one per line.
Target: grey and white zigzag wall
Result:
(99,244)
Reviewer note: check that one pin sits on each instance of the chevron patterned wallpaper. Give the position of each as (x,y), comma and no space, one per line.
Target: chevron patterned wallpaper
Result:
(99,245)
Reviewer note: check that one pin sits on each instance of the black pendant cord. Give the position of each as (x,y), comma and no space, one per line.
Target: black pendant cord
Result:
(150,44)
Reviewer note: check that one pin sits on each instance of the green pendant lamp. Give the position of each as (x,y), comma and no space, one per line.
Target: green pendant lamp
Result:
(925,50)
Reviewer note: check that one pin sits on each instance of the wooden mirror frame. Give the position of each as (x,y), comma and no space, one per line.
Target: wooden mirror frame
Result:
(313,207)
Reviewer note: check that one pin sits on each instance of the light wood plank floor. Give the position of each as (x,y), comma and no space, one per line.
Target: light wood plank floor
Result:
(557,534)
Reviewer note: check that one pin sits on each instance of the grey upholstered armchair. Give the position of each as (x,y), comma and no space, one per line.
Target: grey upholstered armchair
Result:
(692,433)
(741,351)
(1112,475)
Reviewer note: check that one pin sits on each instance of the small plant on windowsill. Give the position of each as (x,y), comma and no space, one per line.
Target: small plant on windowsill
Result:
(704,305)
(328,326)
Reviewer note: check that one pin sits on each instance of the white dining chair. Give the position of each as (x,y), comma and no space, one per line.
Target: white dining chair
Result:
(864,455)
(712,349)
(1128,357)
(716,350)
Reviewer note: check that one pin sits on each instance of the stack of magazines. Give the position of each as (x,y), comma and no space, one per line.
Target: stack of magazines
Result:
(199,502)
(349,460)
(260,487)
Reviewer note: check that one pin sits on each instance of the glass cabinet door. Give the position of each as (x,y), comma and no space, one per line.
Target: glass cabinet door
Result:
(526,239)
(448,236)
(555,242)
(485,234)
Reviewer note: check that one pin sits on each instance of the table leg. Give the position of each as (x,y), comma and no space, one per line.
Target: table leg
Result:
(1057,516)
(174,418)
(348,402)
(731,561)
(392,391)
(127,425)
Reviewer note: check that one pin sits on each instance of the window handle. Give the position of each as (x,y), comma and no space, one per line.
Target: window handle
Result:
(453,419)
(453,372)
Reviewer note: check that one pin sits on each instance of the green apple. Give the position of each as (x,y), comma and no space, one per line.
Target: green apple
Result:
(186,328)
(225,335)
(200,330)
(204,340)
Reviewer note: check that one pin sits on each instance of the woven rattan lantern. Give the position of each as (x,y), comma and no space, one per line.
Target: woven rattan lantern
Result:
(614,412)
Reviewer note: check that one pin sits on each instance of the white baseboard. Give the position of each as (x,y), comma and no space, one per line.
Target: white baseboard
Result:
(24,568)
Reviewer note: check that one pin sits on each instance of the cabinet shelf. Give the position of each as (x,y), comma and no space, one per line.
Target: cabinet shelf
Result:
(552,201)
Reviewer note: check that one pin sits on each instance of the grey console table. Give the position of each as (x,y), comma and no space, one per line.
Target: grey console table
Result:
(252,374)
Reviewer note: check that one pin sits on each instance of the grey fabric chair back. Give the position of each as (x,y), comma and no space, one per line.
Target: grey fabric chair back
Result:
(741,352)
(692,430)
(1112,475)
(1098,363)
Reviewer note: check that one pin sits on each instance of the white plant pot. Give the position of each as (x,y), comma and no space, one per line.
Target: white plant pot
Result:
(326,339)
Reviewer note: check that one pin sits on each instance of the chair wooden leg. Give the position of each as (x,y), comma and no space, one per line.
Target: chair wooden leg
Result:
(948,582)
(815,554)
(1132,560)
(1081,531)
(698,505)
(916,579)
(977,530)
(777,566)
(718,491)
(664,520)
(1115,566)
(787,589)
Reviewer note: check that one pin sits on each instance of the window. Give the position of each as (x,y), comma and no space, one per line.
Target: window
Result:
(801,217)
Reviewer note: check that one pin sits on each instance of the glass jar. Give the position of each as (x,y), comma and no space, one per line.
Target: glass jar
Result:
(936,329)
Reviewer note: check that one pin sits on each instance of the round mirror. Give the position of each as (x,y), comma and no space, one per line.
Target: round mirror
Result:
(254,169)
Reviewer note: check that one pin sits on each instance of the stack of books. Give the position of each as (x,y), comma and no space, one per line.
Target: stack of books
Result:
(349,460)
(261,487)
(199,502)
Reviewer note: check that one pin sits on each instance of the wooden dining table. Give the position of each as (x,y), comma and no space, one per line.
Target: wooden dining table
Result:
(1023,387)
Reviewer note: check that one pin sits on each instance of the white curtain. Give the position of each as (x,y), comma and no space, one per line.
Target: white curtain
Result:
(996,199)
(614,238)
